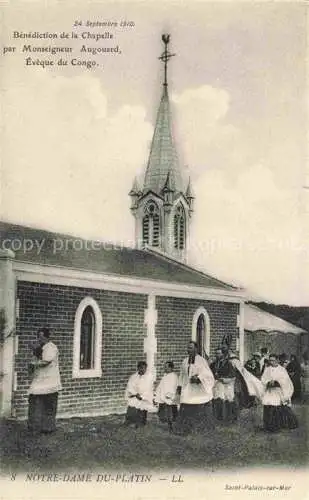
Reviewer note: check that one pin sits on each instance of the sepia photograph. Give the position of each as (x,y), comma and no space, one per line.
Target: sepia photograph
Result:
(154,250)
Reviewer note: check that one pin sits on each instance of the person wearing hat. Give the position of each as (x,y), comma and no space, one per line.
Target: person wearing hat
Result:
(224,388)
(253,365)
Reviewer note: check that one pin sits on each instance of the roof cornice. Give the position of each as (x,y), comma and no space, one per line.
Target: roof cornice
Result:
(41,273)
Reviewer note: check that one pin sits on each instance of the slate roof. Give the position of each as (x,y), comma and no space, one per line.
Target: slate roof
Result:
(163,158)
(100,257)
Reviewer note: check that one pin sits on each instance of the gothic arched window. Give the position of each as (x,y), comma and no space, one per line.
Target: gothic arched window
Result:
(151,225)
(200,334)
(87,334)
(179,228)
(87,344)
(201,331)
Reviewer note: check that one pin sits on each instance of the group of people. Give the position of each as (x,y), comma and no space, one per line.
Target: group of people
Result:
(200,395)
(204,393)
(298,372)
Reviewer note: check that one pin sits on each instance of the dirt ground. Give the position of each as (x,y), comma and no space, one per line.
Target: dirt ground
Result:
(89,443)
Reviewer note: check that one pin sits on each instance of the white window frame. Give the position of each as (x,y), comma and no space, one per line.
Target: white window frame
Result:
(96,371)
(198,312)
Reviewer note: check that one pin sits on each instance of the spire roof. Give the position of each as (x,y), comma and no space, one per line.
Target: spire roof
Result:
(163,160)
(135,187)
(167,186)
(189,191)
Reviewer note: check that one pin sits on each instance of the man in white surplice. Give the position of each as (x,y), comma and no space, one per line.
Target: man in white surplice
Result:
(277,412)
(139,396)
(196,383)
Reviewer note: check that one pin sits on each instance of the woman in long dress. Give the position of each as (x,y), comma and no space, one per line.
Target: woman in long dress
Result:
(277,412)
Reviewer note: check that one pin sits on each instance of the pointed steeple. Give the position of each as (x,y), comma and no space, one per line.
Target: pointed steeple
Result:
(167,186)
(190,195)
(167,191)
(163,156)
(189,191)
(135,187)
(134,193)
(163,207)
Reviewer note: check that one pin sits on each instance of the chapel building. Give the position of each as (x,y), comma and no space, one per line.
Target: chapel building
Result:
(108,308)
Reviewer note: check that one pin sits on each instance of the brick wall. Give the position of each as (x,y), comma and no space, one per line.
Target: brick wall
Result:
(174,327)
(122,343)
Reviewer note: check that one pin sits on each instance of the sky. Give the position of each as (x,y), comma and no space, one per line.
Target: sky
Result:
(74,138)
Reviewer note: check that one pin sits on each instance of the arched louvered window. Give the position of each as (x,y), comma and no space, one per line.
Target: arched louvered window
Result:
(146,230)
(179,228)
(151,225)
(155,230)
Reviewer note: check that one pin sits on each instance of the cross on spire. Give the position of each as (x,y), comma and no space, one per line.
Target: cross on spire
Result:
(165,56)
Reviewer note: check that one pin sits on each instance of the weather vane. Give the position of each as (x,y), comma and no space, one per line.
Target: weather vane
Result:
(166,55)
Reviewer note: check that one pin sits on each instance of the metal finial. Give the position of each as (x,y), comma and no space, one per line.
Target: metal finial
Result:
(166,55)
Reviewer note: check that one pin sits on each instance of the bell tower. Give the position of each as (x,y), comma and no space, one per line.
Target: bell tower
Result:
(163,206)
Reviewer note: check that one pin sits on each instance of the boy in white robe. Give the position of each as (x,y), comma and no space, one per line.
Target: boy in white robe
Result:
(166,395)
(139,396)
